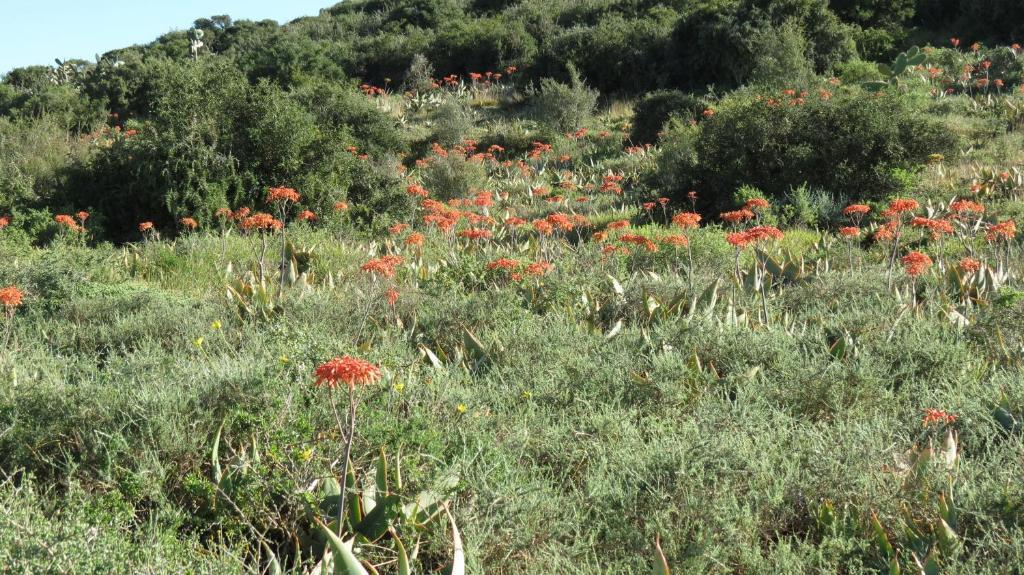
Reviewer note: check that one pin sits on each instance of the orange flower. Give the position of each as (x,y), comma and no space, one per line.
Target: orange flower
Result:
(224,213)
(10,297)
(382,266)
(1001,231)
(674,240)
(417,190)
(391,296)
(340,206)
(475,234)
(936,416)
(503,264)
(966,206)
(68,222)
(282,195)
(5,221)
(737,216)
(145,227)
(686,220)
(82,216)
(969,265)
(307,216)
(916,263)
(414,239)
(189,223)
(539,268)
(738,239)
(261,221)
(856,209)
(543,227)
(762,233)
(902,205)
(348,370)
(618,225)
(756,204)
(849,231)
(397,229)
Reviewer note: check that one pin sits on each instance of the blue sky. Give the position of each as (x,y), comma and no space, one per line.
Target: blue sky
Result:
(36,32)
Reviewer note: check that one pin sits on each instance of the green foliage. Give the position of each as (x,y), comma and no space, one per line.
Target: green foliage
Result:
(847,144)
(565,107)
(655,110)
(452,123)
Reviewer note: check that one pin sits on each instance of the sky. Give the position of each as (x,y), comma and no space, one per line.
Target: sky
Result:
(37,31)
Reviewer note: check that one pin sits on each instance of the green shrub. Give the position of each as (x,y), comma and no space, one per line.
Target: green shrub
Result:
(453,176)
(452,123)
(565,107)
(655,109)
(848,144)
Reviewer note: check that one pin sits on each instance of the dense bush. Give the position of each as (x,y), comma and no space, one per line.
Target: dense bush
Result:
(655,109)
(848,144)
(565,107)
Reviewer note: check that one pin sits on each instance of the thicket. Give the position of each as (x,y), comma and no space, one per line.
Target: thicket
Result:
(269,104)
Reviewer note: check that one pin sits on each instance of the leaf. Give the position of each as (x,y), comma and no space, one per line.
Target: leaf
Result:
(218,473)
(616,286)
(875,86)
(660,563)
(881,538)
(458,566)
(614,331)
(381,477)
(475,346)
(345,562)
(403,556)
(377,522)
(434,360)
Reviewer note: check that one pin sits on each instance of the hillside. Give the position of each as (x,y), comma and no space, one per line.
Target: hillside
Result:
(486,286)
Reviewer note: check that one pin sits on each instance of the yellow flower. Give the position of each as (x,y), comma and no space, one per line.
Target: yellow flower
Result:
(461,408)
(215,325)
(199,342)
(527,394)
(306,454)
(399,387)
(284,360)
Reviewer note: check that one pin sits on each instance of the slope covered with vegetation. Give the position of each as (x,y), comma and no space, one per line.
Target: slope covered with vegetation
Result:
(508,287)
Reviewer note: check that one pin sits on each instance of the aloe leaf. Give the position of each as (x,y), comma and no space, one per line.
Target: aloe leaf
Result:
(345,562)
(660,563)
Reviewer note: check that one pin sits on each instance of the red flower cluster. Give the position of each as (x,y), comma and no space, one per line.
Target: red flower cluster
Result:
(307,216)
(68,222)
(966,206)
(282,195)
(188,223)
(539,268)
(475,234)
(686,220)
(417,190)
(414,239)
(10,297)
(340,206)
(5,221)
(756,204)
(503,264)
(737,216)
(936,416)
(916,263)
(849,231)
(146,227)
(969,265)
(348,370)
(383,266)
(1001,231)
(261,221)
